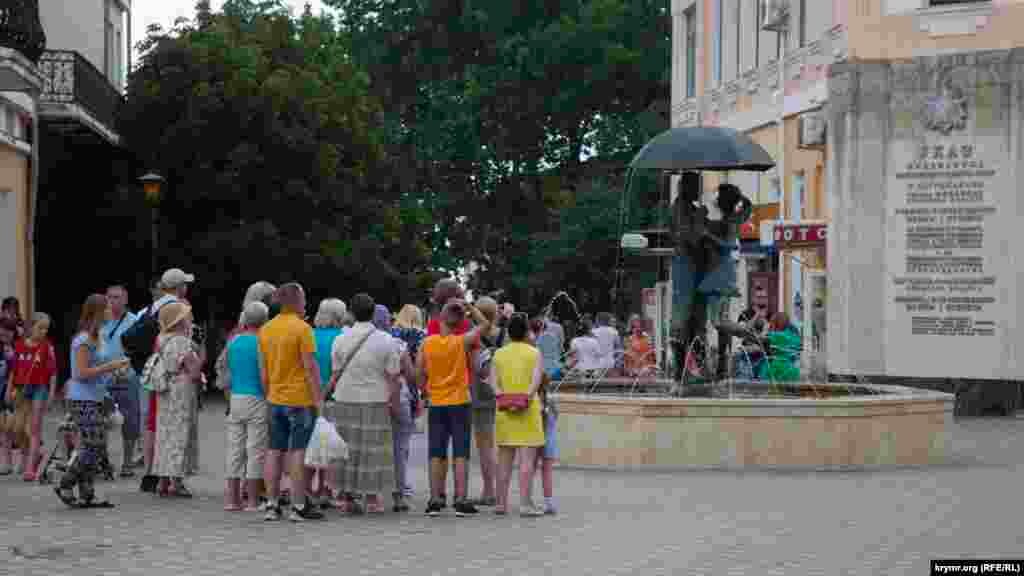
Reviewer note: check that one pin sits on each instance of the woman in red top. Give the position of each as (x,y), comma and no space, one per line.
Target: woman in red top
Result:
(34,380)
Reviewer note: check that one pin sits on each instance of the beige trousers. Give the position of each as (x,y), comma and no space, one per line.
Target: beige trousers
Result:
(248,431)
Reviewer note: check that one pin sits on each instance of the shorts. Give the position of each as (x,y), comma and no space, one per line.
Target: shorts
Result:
(291,427)
(449,424)
(483,418)
(550,436)
(35,392)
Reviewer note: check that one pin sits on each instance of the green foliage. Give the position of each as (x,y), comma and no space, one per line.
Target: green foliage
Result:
(485,101)
(270,140)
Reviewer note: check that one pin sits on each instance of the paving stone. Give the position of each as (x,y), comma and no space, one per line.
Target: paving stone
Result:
(890,522)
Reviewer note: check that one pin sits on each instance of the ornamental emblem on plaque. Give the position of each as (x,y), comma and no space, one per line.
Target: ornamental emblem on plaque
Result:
(946,110)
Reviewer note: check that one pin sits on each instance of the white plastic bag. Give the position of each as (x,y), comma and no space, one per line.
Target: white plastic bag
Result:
(326,446)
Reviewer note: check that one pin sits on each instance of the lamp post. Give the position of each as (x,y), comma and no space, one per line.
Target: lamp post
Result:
(151,185)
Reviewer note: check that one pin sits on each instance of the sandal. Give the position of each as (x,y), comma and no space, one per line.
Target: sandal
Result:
(180,492)
(67,496)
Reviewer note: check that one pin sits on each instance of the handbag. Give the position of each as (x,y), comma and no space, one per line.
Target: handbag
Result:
(513,402)
(355,350)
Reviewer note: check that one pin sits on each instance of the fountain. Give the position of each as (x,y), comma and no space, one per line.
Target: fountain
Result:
(711,415)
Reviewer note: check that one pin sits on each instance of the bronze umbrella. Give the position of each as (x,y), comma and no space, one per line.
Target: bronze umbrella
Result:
(697,148)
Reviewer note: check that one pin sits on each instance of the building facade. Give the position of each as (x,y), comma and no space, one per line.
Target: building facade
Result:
(725,72)
(22,42)
(63,68)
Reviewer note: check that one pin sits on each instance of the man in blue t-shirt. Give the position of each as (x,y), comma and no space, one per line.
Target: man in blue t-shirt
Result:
(122,385)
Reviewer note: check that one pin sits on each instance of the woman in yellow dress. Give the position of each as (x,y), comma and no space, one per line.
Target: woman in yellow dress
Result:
(517,369)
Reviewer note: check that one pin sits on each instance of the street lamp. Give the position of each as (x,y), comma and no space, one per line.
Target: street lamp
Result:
(151,185)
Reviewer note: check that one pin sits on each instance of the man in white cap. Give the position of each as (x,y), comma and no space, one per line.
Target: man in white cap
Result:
(174,285)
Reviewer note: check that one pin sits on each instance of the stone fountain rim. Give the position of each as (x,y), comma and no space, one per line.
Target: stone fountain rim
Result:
(891,394)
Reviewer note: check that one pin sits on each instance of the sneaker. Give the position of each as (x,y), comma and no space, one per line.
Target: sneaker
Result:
(550,509)
(530,511)
(465,508)
(434,508)
(307,512)
(273,513)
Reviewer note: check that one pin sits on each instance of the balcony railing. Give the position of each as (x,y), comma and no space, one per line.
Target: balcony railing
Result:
(21,29)
(70,79)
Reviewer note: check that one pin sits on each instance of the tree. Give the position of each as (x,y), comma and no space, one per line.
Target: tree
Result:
(493,105)
(265,128)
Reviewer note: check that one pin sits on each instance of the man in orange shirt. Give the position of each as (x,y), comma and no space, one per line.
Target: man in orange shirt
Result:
(292,378)
(443,375)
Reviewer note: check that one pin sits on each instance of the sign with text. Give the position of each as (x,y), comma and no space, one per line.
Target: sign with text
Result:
(947,256)
(796,236)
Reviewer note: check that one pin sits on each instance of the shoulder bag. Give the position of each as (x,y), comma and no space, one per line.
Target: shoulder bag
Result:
(355,350)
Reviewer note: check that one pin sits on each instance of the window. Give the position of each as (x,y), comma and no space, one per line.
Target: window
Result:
(802,23)
(716,44)
(116,78)
(108,49)
(691,51)
(739,33)
(757,33)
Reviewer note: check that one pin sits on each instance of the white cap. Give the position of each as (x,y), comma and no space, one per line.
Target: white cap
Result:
(174,278)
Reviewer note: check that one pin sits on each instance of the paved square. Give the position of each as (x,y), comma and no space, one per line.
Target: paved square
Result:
(610,523)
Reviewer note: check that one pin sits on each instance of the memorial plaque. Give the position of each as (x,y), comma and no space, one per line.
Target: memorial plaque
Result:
(947,176)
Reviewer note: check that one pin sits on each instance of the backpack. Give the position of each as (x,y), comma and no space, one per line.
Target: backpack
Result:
(481,390)
(138,340)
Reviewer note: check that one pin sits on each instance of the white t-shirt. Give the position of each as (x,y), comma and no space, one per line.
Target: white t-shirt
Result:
(588,352)
(366,379)
(608,338)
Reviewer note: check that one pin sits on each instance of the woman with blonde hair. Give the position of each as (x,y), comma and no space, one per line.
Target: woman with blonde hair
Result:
(89,367)
(176,394)
(407,329)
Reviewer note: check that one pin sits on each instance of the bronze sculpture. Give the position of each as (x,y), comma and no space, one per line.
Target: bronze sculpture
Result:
(703,269)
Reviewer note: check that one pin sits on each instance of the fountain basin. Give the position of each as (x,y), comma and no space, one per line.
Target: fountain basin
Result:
(894,426)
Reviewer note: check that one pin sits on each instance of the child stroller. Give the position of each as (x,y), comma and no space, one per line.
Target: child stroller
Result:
(63,452)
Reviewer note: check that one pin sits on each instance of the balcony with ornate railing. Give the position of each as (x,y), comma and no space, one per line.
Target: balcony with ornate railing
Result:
(76,95)
(22,42)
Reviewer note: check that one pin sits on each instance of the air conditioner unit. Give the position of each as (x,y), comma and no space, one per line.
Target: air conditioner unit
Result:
(775,15)
(812,130)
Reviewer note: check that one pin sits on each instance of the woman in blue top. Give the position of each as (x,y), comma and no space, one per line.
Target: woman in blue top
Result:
(328,325)
(246,422)
(89,367)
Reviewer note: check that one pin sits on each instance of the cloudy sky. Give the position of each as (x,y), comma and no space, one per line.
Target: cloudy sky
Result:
(164,12)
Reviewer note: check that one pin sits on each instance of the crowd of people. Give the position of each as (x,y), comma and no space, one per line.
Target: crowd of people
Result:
(469,374)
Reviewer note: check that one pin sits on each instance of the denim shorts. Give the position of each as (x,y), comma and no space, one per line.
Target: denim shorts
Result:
(449,424)
(35,392)
(291,427)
